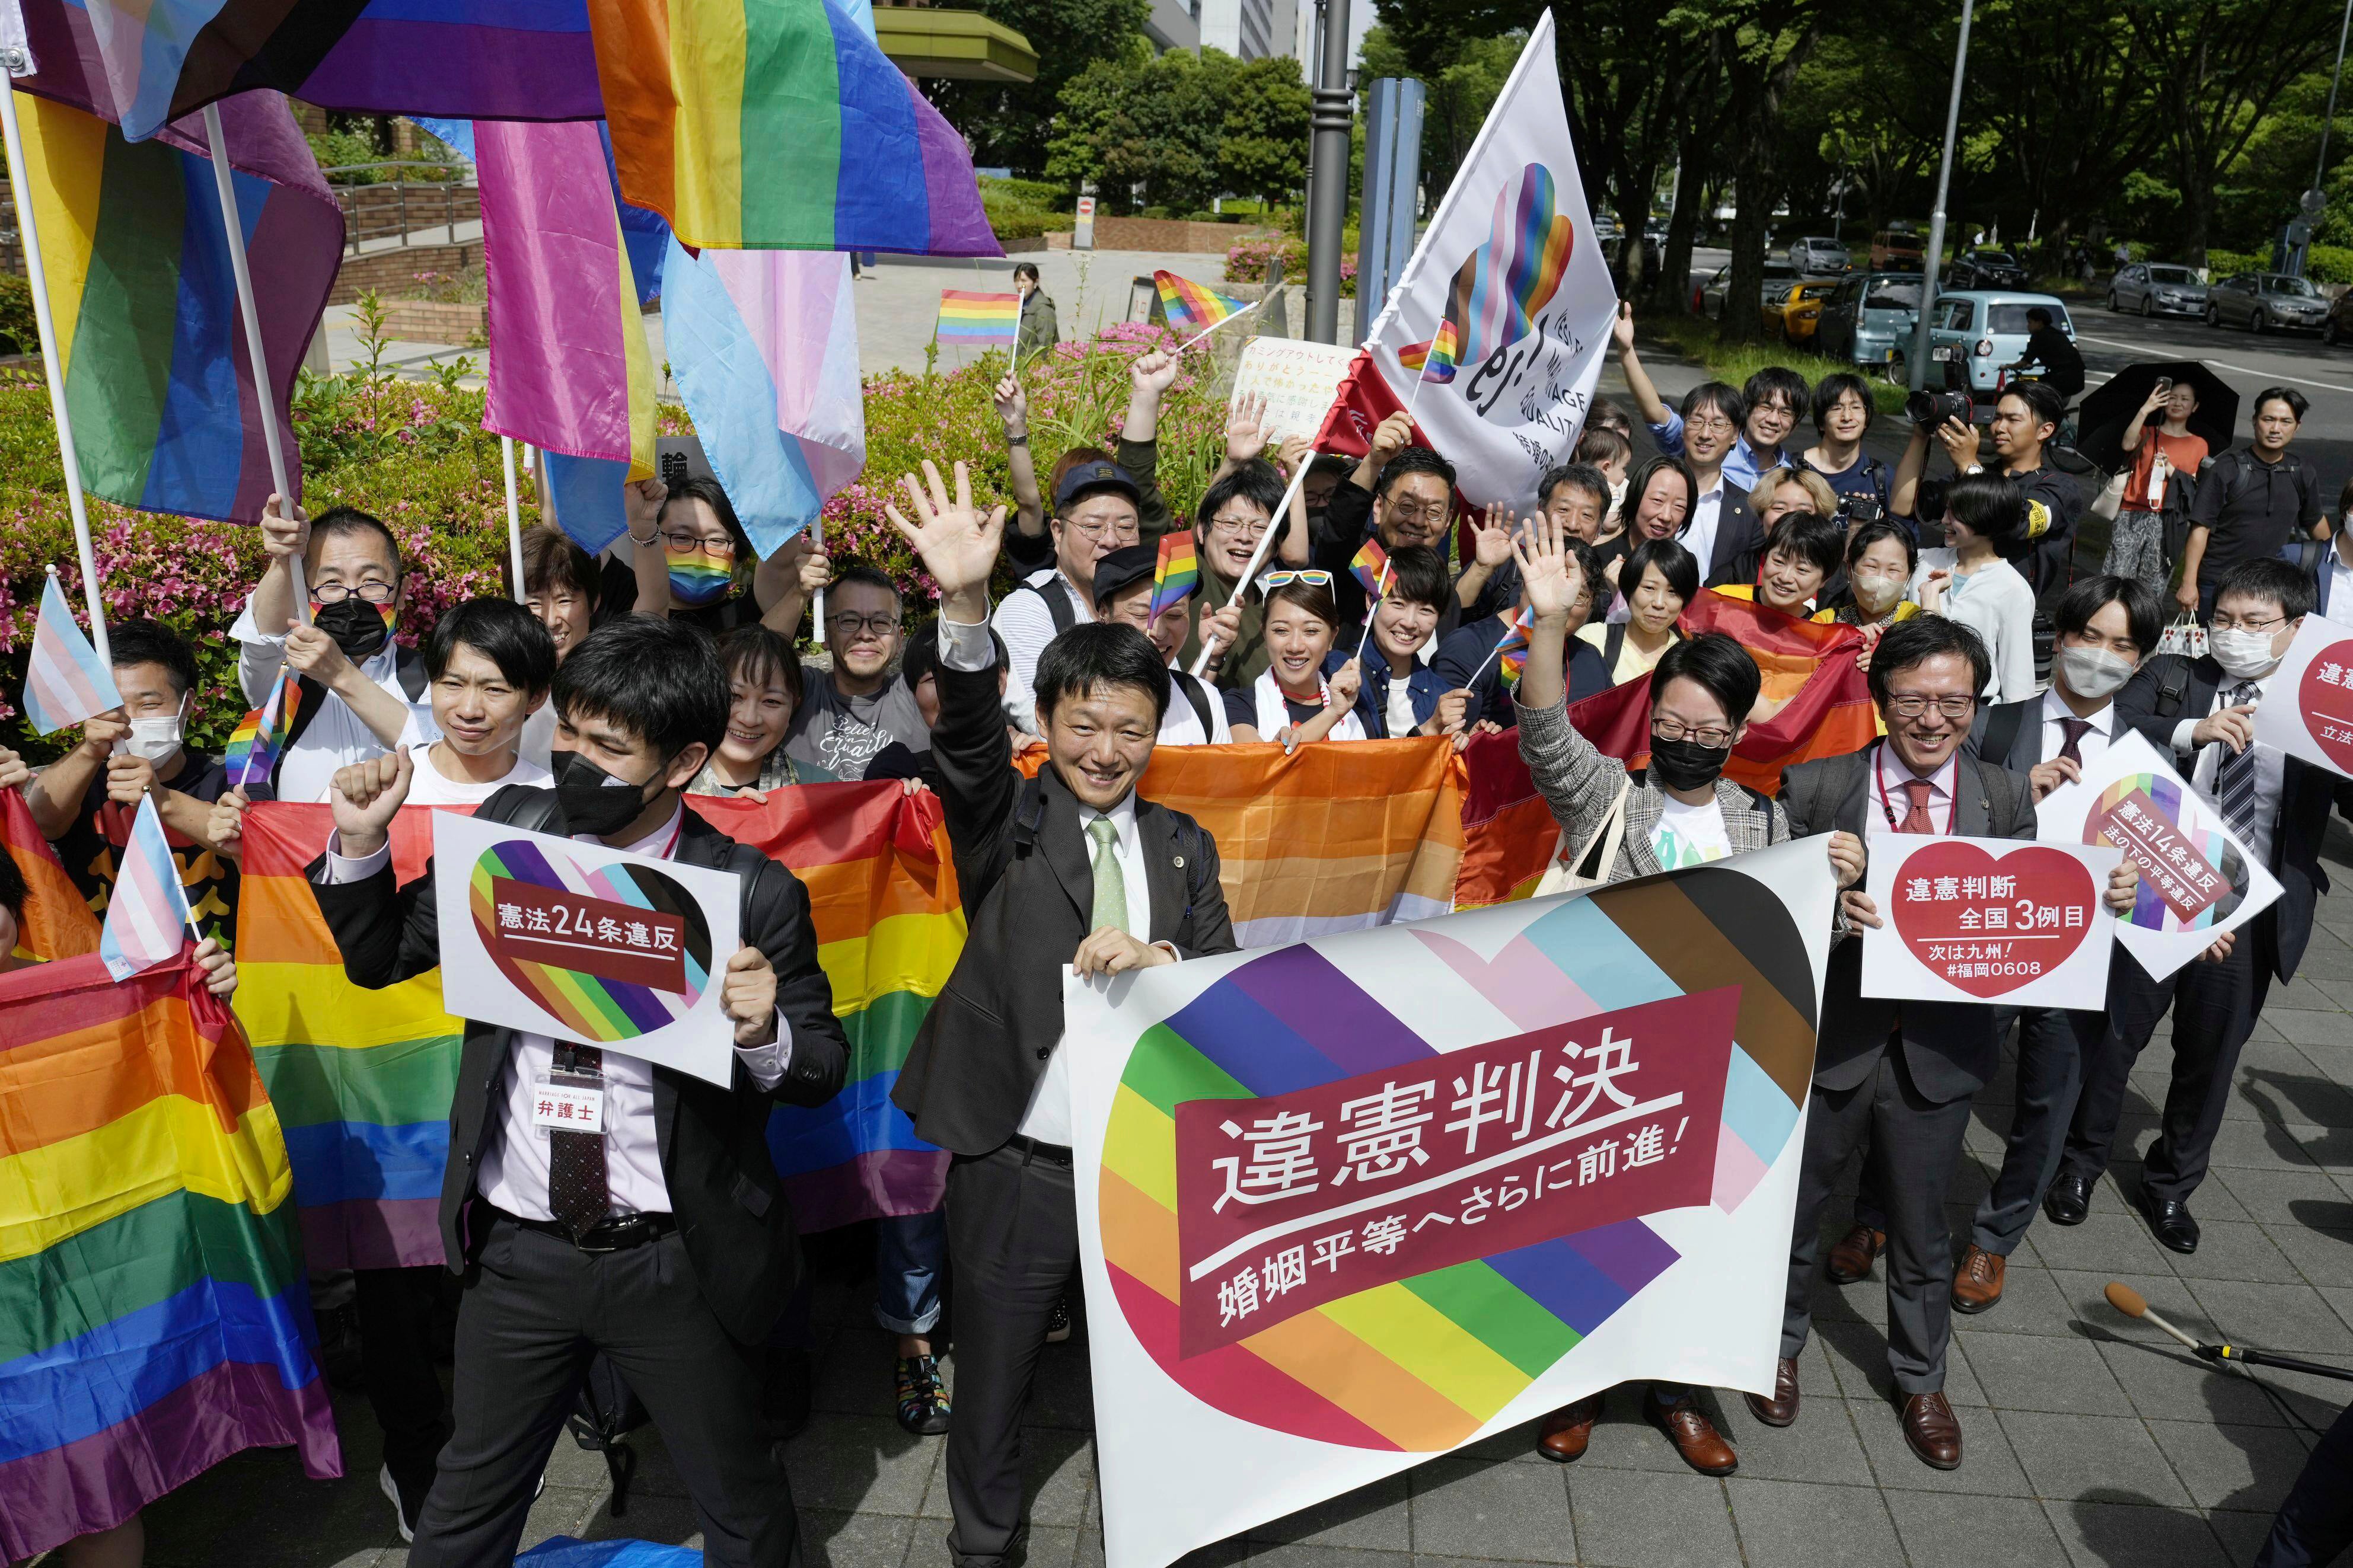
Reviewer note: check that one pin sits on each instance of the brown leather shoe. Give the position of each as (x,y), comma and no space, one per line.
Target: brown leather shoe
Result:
(1929,1426)
(1851,1259)
(1567,1429)
(1978,1284)
(1693,1434)
(1782,1408)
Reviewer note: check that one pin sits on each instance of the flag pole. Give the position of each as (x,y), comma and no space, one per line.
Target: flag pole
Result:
(1274,525)
(514,514)
(1213,326)
(52,365)
(225,183)
(1380,595)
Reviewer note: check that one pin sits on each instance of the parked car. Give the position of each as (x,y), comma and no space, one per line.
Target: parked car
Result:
(1795,314)
(1979,267)
(1896,250)
(1977,332)
(1707,299)
(2157,289)
(1869,318)
(1817,258)
(2260,301)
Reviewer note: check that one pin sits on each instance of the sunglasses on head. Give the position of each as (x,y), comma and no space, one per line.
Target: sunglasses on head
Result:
(1313,577)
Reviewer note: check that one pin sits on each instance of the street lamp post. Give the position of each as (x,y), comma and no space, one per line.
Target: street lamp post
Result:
(1935,254)
(1327,209)
(2316,200)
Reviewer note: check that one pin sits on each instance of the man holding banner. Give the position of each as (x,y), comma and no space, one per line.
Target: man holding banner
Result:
(1068,873)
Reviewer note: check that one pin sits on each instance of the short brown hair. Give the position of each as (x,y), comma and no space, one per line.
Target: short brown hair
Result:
(552,560)
(753,653)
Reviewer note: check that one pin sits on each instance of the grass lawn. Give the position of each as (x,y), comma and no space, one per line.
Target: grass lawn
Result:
(1695,338)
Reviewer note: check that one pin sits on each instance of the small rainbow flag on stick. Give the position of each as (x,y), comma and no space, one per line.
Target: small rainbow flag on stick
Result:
(1177,574)
(1436,359)
(1371,567)
(1192,308)
(261,736)
(978,320)
(1512,653)
(64,681)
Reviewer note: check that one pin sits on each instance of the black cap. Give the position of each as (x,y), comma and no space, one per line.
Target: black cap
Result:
(1096,476)
(1124,568)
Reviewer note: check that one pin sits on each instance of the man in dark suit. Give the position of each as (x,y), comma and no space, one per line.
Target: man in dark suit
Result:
(662,1240)
(1070,872)
(2107,626)
(1900,1073)
(2202,714)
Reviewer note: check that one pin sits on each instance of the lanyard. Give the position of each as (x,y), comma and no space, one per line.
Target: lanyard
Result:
(1887,807)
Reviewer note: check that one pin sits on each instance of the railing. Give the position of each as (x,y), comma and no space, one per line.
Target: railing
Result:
(400,206)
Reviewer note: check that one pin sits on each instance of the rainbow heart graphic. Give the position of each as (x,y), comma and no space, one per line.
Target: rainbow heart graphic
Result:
(1419,1361)
(2192,874)
(613,954)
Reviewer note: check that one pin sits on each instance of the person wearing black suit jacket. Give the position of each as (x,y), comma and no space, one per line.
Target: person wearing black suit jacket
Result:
(1902,1073)
(665,1240)
(2202,713)
(1072,872)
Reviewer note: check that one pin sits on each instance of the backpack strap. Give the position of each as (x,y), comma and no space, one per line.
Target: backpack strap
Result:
(2002,732)
(1198,696)
(1029,817)
(2172,685)
(410,664)
(1057,605)
(1613,643)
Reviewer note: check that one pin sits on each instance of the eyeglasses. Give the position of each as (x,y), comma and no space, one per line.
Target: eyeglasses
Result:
(1709,735)
(688,543)
(367,592)
(2240,623)
(1245,527)
(1716,422)
(1913,707)
(850,626)
(1124,527)
(1410,513)
(1313,577)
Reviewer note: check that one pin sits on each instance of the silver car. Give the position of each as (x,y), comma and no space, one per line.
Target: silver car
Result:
(1707,298)
(2157,289)
(2262,301)
(1818,257)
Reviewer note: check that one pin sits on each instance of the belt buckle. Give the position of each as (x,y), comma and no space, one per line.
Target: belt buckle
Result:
(620,1231)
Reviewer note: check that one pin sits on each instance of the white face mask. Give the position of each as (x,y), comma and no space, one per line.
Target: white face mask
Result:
(1876,594)
(2244,655)
(2094,673)
(153,740)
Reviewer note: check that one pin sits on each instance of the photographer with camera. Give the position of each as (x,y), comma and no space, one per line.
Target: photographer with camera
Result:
(2024,420)
(1842,415)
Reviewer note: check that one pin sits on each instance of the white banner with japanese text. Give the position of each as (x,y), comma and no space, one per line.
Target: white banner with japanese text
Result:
(1350,1204)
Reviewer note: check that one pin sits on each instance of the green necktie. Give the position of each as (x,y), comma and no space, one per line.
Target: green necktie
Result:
(1111,882)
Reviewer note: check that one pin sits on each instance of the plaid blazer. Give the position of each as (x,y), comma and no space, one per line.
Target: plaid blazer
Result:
(1579,785)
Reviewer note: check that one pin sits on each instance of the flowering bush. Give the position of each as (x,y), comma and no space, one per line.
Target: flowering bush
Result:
(1246,262)
(414,454)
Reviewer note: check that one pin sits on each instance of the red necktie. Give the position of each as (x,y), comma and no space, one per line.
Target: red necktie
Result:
(2074,730)
(1915,819)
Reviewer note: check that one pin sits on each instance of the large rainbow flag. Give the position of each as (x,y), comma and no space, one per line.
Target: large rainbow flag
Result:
(154,1316)
(709,99)
(143,63)
(167,411)
(55,922)
(570,372)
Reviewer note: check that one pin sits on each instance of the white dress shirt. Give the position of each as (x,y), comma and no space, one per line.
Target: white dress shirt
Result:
(514,1165)
(1892,799)
(334,737)
(1047,1118)
(2095,740)
(1026,622)
(1699,533)
(2271,767)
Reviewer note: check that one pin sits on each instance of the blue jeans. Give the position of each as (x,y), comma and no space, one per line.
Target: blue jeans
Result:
(908,1254)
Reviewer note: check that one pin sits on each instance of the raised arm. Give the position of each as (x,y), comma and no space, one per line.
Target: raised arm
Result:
(641,505)
(1638,380)
(1576,781)
(1013,409)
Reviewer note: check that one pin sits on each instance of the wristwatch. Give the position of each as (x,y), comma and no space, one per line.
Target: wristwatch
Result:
(1013,440)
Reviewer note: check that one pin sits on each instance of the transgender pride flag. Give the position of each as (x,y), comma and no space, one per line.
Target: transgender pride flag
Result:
(64,683)
(147,915)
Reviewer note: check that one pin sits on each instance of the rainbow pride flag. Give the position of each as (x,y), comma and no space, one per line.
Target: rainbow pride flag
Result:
(1371,567)
(143,63)
(1511,653)
(978,320)
(780,124)
(1445,350)
(1176,574)
(1190,307)
(255,744)
(166,410)
(154,1316)
(1499,286)
(570,371)
(55,922)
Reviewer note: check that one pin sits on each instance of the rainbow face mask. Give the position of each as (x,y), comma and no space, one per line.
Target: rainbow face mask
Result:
(696,578)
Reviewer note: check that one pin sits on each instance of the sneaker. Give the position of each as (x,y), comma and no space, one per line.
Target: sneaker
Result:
(404,1513)
(922,1401)
(1058,1327)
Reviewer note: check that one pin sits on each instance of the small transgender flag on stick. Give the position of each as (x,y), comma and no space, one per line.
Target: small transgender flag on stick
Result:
(64,681)
(147,916)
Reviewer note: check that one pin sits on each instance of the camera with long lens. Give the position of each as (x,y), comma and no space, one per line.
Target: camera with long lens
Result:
(1929,409)
(1856,510)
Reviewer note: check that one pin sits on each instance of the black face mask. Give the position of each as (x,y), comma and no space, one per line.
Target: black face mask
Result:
(594,801)
(357,626)
(1686,764)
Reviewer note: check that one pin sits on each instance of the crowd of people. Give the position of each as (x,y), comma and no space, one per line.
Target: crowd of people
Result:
(603,693)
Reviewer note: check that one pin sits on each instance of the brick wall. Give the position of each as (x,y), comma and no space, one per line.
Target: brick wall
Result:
(1169,234)
(374,211)
(430,321)
(390,271)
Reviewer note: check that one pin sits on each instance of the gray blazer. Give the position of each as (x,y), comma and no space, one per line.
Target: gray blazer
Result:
(1580,784)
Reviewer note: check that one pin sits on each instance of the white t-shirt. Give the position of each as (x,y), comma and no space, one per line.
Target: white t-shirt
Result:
(1399,717)
(431,786)
(1689,835)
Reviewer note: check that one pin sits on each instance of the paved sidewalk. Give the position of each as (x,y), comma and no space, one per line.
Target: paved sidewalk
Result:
(2091,1439)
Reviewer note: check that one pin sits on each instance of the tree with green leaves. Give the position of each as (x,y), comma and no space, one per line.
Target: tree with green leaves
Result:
(1008,123)
(1262,140)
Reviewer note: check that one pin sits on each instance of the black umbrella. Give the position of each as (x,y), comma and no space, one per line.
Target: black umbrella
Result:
(2105,410)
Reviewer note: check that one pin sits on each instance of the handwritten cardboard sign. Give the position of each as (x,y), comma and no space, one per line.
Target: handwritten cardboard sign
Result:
(1299,380)
(1988,919)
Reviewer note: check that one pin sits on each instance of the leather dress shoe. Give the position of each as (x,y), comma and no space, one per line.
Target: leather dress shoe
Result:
(1782,1408)
(1693,1434)
(1851,1259)
(2168,1221)
(1934,1434)
(1567,1430)
(2069,1199)
(1978,1284)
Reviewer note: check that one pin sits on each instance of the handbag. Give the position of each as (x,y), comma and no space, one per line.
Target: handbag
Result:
(2184,637)
(1569,874)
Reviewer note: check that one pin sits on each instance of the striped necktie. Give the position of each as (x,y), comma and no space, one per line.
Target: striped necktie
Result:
(2234,776)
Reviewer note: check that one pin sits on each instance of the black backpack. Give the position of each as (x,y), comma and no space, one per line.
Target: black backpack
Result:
(1198,696)
(1057,605)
